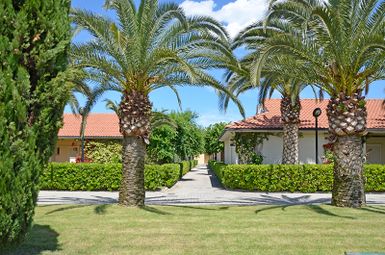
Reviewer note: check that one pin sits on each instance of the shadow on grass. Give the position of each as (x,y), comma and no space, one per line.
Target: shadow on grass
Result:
(315,208)
(154,210)
(101,209)
(373,209)
(41,238)
(65,208)
(311,204)
(200,208)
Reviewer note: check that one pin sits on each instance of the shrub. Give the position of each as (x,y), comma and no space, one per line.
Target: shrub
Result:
(92,177)
(185,167)
(374,177)
(194,163)
(108,151)
(302,178)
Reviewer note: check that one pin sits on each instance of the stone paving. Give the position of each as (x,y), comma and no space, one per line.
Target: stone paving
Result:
(198,187)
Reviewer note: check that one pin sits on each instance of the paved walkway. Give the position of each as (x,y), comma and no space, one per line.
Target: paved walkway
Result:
(198,187)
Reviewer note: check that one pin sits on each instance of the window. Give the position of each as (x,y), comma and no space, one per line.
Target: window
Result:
(58,150)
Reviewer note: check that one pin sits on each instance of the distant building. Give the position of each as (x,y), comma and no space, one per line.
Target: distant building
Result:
(270,122)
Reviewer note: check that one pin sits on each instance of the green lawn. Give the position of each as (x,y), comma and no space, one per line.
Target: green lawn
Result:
(111,229)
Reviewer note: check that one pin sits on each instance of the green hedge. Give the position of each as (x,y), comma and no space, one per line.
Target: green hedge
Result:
(302,178)
(185,167)
(92,176)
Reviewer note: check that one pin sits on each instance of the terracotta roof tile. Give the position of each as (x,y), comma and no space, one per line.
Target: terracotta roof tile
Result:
(98,125)
(271,119)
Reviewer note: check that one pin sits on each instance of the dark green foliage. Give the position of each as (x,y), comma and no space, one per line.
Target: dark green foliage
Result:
(189,140)
(162,145)
(302,178)
(34,37)
(93,176)
(212,135)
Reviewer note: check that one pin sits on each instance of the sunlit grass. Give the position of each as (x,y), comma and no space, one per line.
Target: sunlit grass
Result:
(111,229)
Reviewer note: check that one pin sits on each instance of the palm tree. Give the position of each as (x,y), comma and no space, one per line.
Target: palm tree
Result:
(290,106)
(241,79)
(80,86)
(342,46)
(147,48)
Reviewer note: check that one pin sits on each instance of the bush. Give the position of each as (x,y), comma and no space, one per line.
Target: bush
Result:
(194,163)
(108,151)
(185,167)
(302,178)
(92,177)
(375,178)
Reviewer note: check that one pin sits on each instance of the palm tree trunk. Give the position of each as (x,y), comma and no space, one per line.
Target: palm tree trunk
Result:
(132,191)
(290,118)
(290,143)
(134,117)
(347,125)
(348,186)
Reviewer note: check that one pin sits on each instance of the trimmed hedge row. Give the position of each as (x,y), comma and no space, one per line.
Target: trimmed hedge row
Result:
(107,177)
(302,178)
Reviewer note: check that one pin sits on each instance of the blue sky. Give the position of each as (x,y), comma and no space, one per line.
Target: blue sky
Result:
(235,14)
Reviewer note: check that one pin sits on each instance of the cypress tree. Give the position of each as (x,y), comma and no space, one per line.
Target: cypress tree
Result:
(34,39)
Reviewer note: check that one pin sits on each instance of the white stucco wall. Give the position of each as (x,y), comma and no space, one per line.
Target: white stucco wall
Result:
(231,156)
(377,157)
(272,149)
(307,147)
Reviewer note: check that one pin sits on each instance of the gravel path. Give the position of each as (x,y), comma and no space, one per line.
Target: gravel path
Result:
(198,187)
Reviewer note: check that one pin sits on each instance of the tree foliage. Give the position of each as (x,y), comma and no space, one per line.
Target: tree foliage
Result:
(34,38)
(189,141)
(211,137)
(161,149)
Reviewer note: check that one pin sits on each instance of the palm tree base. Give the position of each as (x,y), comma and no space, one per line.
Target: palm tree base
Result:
(132,191)
(349,184)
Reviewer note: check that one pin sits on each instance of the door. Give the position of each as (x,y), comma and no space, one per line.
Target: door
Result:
(373,152)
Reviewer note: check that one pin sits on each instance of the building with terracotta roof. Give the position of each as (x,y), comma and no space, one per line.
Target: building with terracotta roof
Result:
(269,121)
(100,126)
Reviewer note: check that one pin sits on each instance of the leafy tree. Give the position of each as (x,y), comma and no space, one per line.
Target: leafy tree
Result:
(342,46)
(34,38)
(211,138)
(161,149)
(146,48)
(189,141)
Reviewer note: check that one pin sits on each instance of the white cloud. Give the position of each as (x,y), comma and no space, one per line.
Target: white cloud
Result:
(236,15)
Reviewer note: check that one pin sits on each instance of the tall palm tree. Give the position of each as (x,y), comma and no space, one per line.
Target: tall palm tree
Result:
(290,106)
(274,78)
(148,47)
(342,46)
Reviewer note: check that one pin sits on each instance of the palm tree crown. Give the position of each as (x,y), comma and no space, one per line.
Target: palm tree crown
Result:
(150,47)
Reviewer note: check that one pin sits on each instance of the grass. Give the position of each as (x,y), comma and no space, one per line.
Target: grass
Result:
(111,229)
